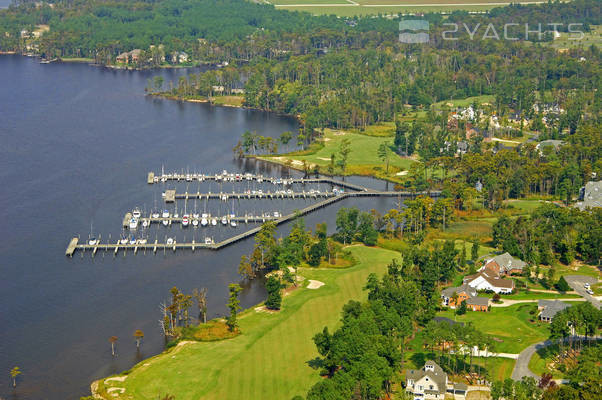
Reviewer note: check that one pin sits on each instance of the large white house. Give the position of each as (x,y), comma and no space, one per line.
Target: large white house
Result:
(430,382)
(486,280)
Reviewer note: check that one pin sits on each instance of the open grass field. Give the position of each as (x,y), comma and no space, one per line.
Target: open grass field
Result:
(510,326)
(362,160)
(465,102)
(349,8)
(269,359)
(573,40)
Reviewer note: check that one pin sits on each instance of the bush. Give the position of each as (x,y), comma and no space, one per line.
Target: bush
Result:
(462,309)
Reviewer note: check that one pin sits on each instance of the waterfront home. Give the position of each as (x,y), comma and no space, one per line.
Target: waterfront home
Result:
(549,308)
(462,293)
(504,264)
(430,382)
(128,56)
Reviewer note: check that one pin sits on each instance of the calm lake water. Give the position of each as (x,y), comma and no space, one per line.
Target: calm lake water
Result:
(5,3)
(77,143)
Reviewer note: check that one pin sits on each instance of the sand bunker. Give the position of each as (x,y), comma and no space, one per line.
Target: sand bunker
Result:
(315,284)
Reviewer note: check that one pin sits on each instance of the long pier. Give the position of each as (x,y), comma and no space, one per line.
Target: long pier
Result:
(229,177)
(170,195)
(115,247)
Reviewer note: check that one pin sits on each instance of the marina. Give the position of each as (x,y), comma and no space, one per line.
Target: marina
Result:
(166,219)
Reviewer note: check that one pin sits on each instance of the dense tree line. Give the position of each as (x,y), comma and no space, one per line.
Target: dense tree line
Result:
(552,233)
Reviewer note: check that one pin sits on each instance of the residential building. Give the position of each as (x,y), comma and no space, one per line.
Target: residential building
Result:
(133,55)
(504,264)
(549,308)
(590,196)
(478,303)
(487,280)
(463,292)
(430,382)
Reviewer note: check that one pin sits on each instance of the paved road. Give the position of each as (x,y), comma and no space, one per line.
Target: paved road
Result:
(508,303)
(577,282)
(521,368)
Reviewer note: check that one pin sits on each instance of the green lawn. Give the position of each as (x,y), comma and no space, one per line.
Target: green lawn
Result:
(269,360)
(509,326)
(465,102)
(350,10)
(362,159)
(534,296)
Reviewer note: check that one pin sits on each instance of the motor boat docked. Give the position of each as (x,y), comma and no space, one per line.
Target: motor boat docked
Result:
(185,220)
(145,223)
(195,222)
(133,223)
(132,240)
(214,221)
(204,219)
(136,213)
(225,220)
(165,214)
(170,241)
(208,240)
(92,241)
(233,224)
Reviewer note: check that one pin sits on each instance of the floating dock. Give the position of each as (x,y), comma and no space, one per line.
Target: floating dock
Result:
(170,195)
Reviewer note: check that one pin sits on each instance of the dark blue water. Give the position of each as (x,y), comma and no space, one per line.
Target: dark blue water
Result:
(77,143)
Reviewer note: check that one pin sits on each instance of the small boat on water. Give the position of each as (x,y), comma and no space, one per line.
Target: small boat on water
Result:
(185,220)
(224,220)
(123,240)
(145,223)
(132,240)
(208,240)
(92,241)
(204,219)
(165,214)
(136,213)
(233,224)
(214,221)
(195,222)
(170,241)
(133,223)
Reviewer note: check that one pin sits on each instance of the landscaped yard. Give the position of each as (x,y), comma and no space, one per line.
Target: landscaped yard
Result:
(509,326)
(269,359)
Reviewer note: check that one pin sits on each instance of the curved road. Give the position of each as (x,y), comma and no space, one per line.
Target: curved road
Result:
(521,368)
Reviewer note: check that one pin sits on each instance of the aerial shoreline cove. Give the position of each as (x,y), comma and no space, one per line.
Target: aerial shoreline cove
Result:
(235,200)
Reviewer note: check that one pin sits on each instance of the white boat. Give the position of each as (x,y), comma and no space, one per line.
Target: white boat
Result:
(92,241)
(208,240)
(224,220)
(185,220)
(165,214)
(132,240)
(204,219)
(133,223)
(145,223)
(136,213)
(276,214)
(170,241)
(233,224)
(141,241)
(214,221)
(195,222)
(123,240)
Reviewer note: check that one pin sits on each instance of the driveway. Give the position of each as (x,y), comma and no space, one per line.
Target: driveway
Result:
(577,282)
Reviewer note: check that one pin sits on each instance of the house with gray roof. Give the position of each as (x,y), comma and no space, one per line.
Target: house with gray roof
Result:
(478,303)
(505,264)
(590,196)
(549,308)
(430,382)
(462,293)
